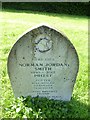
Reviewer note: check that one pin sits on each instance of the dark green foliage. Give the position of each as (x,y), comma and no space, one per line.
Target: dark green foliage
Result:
(43,108)
(77,8)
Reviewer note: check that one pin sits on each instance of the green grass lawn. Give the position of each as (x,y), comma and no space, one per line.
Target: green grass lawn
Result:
(13,24)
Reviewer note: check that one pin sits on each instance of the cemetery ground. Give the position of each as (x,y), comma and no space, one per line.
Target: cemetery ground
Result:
(13,24)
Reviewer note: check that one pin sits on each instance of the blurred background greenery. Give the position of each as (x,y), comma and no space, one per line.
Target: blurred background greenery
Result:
(72,8)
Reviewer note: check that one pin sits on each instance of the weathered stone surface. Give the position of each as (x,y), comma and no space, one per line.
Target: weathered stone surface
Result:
(44,63)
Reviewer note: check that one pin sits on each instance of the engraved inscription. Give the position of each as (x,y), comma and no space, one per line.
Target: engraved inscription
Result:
(43,71)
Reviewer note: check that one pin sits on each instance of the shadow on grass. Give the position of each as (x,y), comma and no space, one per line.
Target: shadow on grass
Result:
(55,109)
(43,13)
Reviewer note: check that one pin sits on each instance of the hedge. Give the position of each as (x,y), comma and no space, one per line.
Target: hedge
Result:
(75,8)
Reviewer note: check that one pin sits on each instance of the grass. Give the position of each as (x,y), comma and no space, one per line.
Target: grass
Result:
(13,24)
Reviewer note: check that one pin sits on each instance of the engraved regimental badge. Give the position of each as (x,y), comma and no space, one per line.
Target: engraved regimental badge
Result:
(43,43)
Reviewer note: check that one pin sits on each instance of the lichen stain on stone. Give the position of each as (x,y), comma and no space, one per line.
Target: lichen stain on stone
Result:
(15,54)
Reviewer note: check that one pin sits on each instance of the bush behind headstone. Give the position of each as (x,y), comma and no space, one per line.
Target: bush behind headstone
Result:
(76,8)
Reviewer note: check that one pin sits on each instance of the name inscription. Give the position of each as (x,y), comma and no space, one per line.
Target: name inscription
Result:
(43,72)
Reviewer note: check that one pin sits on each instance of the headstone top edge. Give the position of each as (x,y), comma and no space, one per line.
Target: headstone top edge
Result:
(35,27)
(42,25)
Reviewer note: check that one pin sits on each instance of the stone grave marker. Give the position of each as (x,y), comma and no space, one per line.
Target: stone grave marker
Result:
(43,62)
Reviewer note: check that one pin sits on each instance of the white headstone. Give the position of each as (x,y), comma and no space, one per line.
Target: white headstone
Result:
(43,62)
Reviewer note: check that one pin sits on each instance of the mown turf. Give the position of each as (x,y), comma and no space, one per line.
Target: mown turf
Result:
(13,24)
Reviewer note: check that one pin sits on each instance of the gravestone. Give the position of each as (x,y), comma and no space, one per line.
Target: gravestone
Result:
(44,63)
